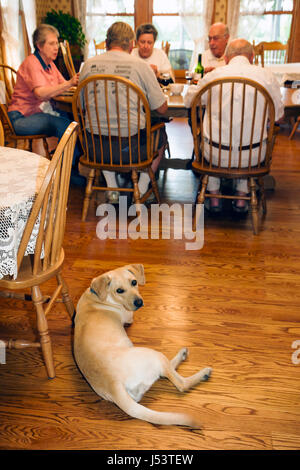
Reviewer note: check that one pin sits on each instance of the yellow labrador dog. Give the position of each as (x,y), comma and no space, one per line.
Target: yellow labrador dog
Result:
(117,370)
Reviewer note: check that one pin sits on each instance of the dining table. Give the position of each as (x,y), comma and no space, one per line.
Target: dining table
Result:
(21,176)
(176,106)
(289,72)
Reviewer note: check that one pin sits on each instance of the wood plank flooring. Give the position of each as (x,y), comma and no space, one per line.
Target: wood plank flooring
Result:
(235,304)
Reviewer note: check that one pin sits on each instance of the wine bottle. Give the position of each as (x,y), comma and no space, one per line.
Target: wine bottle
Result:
(199,70)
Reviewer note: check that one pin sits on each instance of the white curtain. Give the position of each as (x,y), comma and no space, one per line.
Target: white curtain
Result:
(10,31)
(89,9)
(196,16)
(12,28)
(233,14)
(80,14)
(28,7)
(256,9)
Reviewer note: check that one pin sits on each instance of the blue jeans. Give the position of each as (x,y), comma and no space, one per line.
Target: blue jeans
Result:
(43,123)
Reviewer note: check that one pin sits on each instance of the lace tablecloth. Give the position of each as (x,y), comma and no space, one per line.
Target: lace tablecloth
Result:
(21,176)
(284,72)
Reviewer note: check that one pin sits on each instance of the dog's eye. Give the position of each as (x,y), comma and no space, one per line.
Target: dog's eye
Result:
(120,290)
(134,282)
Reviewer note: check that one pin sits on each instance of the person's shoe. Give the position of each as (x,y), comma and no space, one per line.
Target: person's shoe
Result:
(214,205)
(240,206)
(112,197)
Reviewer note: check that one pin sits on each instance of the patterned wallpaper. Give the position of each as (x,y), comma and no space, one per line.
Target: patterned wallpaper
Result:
(220,11)
(42,6)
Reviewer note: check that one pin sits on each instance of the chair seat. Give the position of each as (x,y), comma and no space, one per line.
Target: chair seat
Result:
(25,276)
(232,173)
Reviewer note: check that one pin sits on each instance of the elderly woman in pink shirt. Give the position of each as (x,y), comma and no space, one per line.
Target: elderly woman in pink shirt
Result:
(38,81)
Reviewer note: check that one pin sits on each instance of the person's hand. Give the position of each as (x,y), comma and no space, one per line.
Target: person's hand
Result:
(74,80)
(209,69)
(154,68)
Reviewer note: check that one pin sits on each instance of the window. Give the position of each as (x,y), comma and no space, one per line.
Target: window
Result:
(268,20)
(170,26)
(101,14)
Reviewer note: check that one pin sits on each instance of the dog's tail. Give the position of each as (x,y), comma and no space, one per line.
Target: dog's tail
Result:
(134,409)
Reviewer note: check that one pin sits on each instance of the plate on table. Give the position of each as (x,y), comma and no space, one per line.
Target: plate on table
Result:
(296,97)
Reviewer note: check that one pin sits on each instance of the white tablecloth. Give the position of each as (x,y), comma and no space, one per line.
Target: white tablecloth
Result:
(284,72)
(21,176)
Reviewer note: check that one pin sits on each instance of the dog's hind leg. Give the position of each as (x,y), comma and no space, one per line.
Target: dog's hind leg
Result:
(185,383)
(180,357)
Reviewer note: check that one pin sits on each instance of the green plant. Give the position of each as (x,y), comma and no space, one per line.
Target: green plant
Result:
(68,26)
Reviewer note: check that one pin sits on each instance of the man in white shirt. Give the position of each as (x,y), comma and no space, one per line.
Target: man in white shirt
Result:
(239,58)
(119,61)
(146,35)
(218,37)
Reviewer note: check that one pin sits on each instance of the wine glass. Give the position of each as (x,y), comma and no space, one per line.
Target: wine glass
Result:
(189,76)
(165,81)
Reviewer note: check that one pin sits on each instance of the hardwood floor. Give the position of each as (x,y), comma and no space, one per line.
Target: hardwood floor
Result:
(235,304)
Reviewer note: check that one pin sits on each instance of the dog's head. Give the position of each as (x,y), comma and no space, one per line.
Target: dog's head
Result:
(120,286)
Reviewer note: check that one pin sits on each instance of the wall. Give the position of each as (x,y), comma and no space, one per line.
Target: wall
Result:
(43,6)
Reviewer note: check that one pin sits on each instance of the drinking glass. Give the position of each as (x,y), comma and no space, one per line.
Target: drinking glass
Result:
(165,81)
(189,76)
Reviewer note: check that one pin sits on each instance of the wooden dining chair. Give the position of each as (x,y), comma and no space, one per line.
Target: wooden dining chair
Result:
(67,57)
(274,52)
(47,222)
(99,99)
(258,54)
(8,75)
(297,123)
(1,135)
(26,140)
(100,47)
(215,153)
(165,45)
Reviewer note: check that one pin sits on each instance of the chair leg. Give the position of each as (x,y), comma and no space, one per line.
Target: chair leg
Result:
(88,194)
(154,184)
(136,191)
(201,195)
(262,195)
(46,148)
(200,198)
(42,326)
(254,206)
(294,128)
(67,300)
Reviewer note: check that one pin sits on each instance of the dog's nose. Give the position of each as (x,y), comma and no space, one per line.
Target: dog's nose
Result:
(138,303)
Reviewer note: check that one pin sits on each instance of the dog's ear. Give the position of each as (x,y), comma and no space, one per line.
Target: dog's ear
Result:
(100,285)
(138,271)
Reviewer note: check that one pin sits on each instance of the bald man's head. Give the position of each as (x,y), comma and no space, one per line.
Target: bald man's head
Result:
(239,47)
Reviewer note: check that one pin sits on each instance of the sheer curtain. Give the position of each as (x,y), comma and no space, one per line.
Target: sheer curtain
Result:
(80,13)
(233,15)
(90,9)
(196,16)
(255,9)
(12,29)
